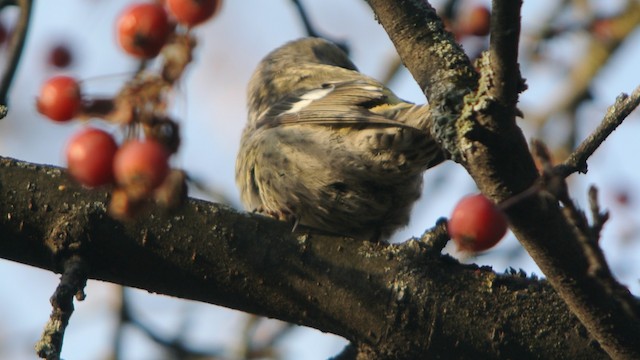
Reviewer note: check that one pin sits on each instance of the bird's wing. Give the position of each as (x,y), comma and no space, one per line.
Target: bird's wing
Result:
(356,102)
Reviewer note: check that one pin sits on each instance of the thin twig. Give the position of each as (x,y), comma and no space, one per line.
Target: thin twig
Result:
(175,345)
(599,217)
(72,283)
(392,70)
(15,52)
(311,31)
(577,161)
(449,9)
(305,19)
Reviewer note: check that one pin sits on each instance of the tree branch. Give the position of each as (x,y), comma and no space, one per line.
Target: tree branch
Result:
(71,285)
(616,114)
(438,64)
(481,134)
(18,40)
(503,49)
(401,301)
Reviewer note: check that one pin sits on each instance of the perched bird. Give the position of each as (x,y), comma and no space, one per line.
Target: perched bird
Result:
(330,148)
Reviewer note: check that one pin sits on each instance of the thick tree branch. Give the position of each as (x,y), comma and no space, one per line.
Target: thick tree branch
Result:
(439,65)
(481,134)
(503,49)
(403,301)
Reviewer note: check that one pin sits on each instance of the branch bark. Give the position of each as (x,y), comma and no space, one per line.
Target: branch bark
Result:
(475,124)
(396,301)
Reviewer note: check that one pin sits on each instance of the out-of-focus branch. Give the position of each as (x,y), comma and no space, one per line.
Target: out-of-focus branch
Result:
(597,54)
(172,344)
(15,52)
(392,69)
(311,30)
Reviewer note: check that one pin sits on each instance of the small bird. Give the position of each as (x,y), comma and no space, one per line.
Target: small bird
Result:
(330,148)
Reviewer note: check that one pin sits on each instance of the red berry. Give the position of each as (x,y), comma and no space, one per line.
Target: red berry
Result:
(623,197)
(193,12)
(476,224)
(603,29)
(59,98)
(60,56)
(90,155)
(141,166)
(143,29)
(475,21)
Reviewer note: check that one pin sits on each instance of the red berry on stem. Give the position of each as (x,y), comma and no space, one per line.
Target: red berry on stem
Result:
(90,155)
(60,56)
(475,21)
(143,29)
(623,197)
(603,29)
(193,12)
(476,224)
(59,98)
(141,166)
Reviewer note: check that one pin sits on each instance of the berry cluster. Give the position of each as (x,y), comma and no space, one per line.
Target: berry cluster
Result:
(139,167)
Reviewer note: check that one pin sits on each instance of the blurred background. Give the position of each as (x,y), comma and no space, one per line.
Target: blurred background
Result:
(576,56)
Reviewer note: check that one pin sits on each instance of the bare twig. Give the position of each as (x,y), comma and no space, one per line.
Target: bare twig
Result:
(599,217)
(311,30)
(448,9)
(585,234)
(15,52)
(624,105)
(392,70)
(252,349)
(175,345)
(72,283)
